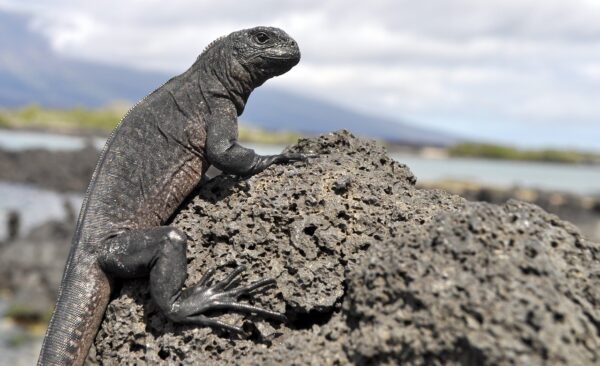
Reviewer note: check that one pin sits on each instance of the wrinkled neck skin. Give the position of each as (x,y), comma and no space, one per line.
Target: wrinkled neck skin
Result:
(222,76)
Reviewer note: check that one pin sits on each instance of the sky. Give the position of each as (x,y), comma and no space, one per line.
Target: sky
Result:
(524,72)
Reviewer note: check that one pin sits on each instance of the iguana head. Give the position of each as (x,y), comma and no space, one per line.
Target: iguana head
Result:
(265,51)
(245,59)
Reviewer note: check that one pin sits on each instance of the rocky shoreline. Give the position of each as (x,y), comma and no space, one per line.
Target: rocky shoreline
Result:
(61,171)
(31,268)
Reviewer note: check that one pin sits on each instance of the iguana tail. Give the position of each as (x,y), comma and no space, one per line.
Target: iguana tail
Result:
(82,300)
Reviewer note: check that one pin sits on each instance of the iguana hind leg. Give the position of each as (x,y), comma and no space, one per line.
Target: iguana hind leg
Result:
(161,252)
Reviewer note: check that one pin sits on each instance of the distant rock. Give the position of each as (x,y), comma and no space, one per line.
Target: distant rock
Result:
(62,171)
(31,268)
(371,270)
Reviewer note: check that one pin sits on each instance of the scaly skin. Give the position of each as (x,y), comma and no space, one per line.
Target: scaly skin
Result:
(152,161)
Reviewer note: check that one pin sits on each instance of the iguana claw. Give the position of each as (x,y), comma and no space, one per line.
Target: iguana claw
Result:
(222,295)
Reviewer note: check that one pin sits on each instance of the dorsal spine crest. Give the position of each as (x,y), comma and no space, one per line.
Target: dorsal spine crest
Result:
(212,44)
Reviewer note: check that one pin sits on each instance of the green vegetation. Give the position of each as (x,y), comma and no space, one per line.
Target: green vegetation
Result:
(257,135)
(63,120)
(28,315)
(103,120)
(4,123)
(492,151)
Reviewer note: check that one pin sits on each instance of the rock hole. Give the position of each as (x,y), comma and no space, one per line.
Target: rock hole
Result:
(558,317)
(310,230)
(163,354)
(307,320)
(343,215)
(529,270)
(135,347)
(531,252)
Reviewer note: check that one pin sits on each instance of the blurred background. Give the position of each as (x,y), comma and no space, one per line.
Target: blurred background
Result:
(491,100)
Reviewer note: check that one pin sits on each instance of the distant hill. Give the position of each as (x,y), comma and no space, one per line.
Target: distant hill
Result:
(284,111)
(30,72)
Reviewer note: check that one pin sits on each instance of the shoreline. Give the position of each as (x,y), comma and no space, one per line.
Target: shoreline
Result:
(98,122)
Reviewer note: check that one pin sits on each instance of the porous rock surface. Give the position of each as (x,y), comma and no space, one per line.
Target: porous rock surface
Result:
(371,270)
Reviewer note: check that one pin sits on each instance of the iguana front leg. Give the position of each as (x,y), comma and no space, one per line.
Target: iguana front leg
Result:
(161,251)
(224,152)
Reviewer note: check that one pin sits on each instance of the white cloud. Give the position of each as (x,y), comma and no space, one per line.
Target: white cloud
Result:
(506,62)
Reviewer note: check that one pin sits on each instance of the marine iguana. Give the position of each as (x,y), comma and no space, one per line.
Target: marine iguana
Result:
(152,161)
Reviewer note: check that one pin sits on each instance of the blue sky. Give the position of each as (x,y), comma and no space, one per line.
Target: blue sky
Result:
(525,72)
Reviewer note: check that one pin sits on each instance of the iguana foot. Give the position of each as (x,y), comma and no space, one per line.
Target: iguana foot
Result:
(222,295)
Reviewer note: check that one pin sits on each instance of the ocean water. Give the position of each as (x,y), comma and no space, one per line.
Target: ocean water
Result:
(22,140)
(579,179)
(35,205)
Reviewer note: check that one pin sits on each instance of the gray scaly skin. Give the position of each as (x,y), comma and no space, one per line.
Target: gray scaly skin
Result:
(152,161)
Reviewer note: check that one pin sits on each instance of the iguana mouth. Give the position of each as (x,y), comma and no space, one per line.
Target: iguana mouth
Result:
(279,57)
(284,60)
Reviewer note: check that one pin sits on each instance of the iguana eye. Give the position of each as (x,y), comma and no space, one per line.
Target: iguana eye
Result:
(261,38)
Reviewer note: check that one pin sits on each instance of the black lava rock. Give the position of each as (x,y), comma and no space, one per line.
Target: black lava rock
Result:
(371,270)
